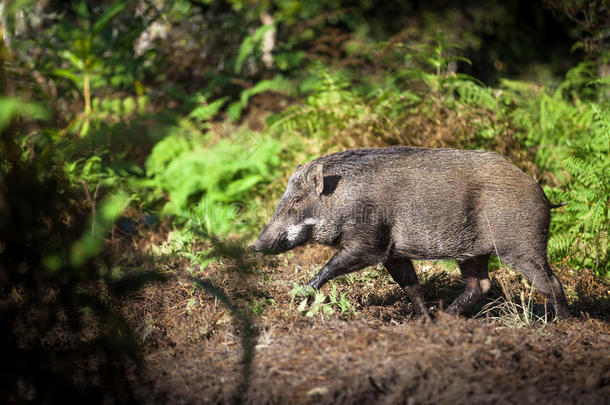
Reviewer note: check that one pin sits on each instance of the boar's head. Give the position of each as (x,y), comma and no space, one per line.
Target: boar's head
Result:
(296,214)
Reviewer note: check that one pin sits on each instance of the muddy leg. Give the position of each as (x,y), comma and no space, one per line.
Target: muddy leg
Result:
(477,283)
(403,272)
(542,277)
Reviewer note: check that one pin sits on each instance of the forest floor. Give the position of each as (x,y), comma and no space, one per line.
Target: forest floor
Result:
(197,351)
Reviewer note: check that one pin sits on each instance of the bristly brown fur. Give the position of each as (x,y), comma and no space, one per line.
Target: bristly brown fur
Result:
(391,205)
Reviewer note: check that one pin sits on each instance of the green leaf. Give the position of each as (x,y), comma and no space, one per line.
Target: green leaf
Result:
(76,61)
(206,111)
(327,310)
(302,308)
(93,239)
(108,15)
(249,45)
(234,110)
(12,107)
(81,10)
(237,187)
(67,74)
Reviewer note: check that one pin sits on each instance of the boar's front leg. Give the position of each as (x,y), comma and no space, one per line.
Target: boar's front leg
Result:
(474,270)
(343,262)
(403,272)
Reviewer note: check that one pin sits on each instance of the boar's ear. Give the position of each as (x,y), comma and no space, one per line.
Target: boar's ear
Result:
(317,177)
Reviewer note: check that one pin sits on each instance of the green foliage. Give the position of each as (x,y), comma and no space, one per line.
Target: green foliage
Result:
(250,44)
(91,242)
(208,183)
(313,302)
(344,108)
(259,305)
(366,276)
(434,65)
(86,67)
(277,84)
(334,108)
(580,231)
(205,111)
(580,83)
(11,108)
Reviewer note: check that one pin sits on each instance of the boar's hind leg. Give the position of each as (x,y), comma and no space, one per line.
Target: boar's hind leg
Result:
(542,277)
(474,270)
(343,262)
(403,272)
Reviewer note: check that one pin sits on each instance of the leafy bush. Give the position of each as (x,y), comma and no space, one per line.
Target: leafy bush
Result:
(580,230)
(421,102)
(209,183)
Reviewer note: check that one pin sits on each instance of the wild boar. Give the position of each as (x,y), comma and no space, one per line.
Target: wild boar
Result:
(392,205)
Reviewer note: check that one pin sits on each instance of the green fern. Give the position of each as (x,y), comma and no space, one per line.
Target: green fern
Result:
(206,111)
(580,231)
(473,94)
(206,182)
(334,109)
(249,45)
(278,84)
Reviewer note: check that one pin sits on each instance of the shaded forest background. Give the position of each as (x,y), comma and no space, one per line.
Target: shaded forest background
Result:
(185,118)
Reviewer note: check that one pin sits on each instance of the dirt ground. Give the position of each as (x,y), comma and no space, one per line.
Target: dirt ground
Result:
(197,351)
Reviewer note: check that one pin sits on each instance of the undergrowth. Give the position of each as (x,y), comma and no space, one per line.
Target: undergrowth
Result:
(99,130)
(316,303)
(561,135)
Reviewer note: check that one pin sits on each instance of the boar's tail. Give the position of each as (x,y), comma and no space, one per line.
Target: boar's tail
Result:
(558,205)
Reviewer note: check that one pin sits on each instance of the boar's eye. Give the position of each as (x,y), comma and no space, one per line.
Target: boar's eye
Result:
(297,200)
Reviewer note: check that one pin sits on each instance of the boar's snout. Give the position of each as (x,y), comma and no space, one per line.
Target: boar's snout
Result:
(264,244)
(256,247)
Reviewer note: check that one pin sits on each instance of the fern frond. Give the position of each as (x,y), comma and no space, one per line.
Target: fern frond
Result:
(249,45)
